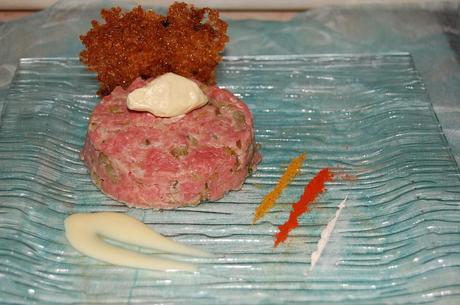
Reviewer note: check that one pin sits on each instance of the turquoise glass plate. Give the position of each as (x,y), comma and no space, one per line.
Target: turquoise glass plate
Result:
(367,116)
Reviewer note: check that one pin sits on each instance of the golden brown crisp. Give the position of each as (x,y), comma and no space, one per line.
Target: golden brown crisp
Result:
(142,43)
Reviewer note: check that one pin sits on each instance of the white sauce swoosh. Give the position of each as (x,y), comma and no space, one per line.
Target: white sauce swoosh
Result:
(85,231)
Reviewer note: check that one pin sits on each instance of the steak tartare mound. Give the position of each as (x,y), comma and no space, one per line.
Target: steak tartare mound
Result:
(152,162)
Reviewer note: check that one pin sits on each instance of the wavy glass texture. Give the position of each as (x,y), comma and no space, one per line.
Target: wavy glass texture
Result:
(368,116)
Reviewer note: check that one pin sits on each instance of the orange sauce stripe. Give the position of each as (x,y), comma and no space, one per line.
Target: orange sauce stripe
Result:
(270,199)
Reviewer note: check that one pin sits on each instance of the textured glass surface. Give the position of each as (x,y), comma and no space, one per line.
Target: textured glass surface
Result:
(369,116)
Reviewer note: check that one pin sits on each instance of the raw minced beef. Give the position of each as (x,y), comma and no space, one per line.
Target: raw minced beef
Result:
(147,161)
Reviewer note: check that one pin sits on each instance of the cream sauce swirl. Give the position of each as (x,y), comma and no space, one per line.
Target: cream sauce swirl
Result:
(86,232)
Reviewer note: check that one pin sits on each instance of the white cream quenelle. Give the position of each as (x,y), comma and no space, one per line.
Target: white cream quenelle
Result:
(85,232)
(168,95)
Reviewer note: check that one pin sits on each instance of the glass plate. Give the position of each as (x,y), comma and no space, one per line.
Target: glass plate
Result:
(369,116)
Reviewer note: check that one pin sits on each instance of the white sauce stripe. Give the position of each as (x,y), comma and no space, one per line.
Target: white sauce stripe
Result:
(85,233)
(325,235)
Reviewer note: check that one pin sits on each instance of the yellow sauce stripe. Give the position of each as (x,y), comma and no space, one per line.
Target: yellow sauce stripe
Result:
(270,199)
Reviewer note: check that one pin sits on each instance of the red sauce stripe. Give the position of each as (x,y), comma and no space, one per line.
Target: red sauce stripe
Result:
(312,190)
